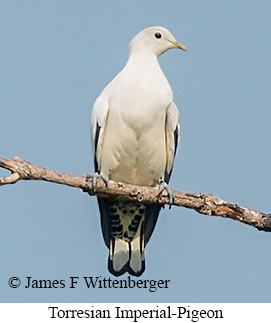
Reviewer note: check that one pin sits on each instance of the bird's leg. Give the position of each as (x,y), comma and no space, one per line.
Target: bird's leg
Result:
(94,178)
(171,194)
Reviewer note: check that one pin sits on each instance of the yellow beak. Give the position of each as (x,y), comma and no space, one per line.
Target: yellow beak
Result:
(178,45)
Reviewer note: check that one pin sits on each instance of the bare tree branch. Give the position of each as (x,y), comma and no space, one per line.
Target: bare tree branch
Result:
(202,203)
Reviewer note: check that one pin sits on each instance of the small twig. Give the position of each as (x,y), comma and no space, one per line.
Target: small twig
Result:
(202,203)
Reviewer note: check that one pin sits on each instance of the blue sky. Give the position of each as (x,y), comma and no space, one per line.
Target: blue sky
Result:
(55,58)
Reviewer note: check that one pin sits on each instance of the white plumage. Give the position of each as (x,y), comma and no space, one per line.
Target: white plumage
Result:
(135,131)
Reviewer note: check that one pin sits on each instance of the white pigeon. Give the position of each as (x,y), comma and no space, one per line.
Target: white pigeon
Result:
(135,132)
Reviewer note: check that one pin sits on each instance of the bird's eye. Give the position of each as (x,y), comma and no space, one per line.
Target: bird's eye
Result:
(158,35)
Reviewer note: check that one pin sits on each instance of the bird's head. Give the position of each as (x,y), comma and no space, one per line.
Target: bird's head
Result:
(155,39)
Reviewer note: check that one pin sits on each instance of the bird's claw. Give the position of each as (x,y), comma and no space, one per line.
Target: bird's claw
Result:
(171,194)
(94,178)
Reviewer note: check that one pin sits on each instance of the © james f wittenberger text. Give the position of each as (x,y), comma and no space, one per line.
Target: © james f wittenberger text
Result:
(90,282)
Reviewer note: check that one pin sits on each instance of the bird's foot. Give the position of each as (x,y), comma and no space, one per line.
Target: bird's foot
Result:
(171,194)
(94,178)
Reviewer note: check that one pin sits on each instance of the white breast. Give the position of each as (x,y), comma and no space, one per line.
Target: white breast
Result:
(134,142)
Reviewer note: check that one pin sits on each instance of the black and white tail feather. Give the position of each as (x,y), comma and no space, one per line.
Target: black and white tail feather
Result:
(127,227)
